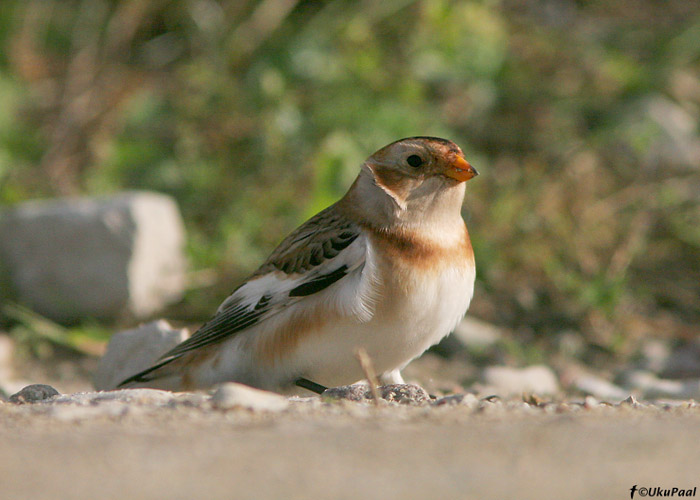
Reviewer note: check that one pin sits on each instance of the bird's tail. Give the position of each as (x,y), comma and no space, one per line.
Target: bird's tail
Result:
(147,375)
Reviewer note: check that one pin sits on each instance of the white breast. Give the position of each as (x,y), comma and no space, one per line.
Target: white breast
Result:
(392,309)
(413,311)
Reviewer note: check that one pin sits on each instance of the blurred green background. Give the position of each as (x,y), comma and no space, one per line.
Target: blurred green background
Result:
(581,116)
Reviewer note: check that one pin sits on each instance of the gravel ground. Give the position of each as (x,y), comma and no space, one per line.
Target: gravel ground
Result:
(152,444)
(145,444)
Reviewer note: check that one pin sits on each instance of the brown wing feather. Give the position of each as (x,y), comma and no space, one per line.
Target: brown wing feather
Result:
(320,238)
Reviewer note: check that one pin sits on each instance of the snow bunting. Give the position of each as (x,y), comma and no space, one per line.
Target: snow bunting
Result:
(388,268)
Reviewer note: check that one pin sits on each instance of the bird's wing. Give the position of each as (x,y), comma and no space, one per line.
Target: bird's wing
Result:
(321,252)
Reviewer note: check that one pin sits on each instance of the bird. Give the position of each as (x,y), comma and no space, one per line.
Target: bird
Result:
(388,268)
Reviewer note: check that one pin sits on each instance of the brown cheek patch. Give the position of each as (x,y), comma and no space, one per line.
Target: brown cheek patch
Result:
(287,337)
(392,181)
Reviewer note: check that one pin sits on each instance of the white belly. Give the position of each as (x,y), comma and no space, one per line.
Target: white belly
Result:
(405,324)
(411,311)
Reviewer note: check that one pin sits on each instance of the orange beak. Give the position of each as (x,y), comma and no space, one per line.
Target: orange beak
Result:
(461,170)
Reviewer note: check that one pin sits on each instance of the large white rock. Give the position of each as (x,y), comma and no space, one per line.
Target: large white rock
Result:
(132,351)
(101,258)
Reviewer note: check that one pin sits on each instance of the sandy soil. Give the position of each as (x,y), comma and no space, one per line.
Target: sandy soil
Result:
(347,450)
(185,448)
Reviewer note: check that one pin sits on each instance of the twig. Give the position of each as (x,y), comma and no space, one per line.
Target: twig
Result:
(368,370)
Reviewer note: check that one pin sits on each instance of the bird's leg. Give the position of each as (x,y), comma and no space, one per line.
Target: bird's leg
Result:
(392,377)
(310,385)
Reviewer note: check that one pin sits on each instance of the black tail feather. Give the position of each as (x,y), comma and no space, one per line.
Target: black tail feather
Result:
(141,377)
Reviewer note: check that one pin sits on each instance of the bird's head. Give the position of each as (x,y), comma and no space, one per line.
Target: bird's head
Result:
(418,170)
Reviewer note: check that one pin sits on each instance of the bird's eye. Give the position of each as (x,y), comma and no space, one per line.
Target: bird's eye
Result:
(415,161)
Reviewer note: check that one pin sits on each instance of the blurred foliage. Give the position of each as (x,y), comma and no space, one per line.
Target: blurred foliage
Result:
(38,336)
(581,116)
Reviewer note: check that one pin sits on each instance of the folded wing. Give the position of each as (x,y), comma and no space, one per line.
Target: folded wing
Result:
(325,250)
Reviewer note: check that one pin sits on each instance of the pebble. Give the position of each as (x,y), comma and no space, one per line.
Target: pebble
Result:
(590,402)
(631,401)
(410,394)
(489,406)
(33,394)
(233,395)
(354,392)
(469,400)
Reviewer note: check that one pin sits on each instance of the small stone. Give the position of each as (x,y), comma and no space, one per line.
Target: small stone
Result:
(631,401)
(533,399)
(590,402)
(410,394)
(354,392)
(508,381)
(34,393)
(550,408)
(234,395)
(189,399)
(132,351)
(469,400)
(490,405)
